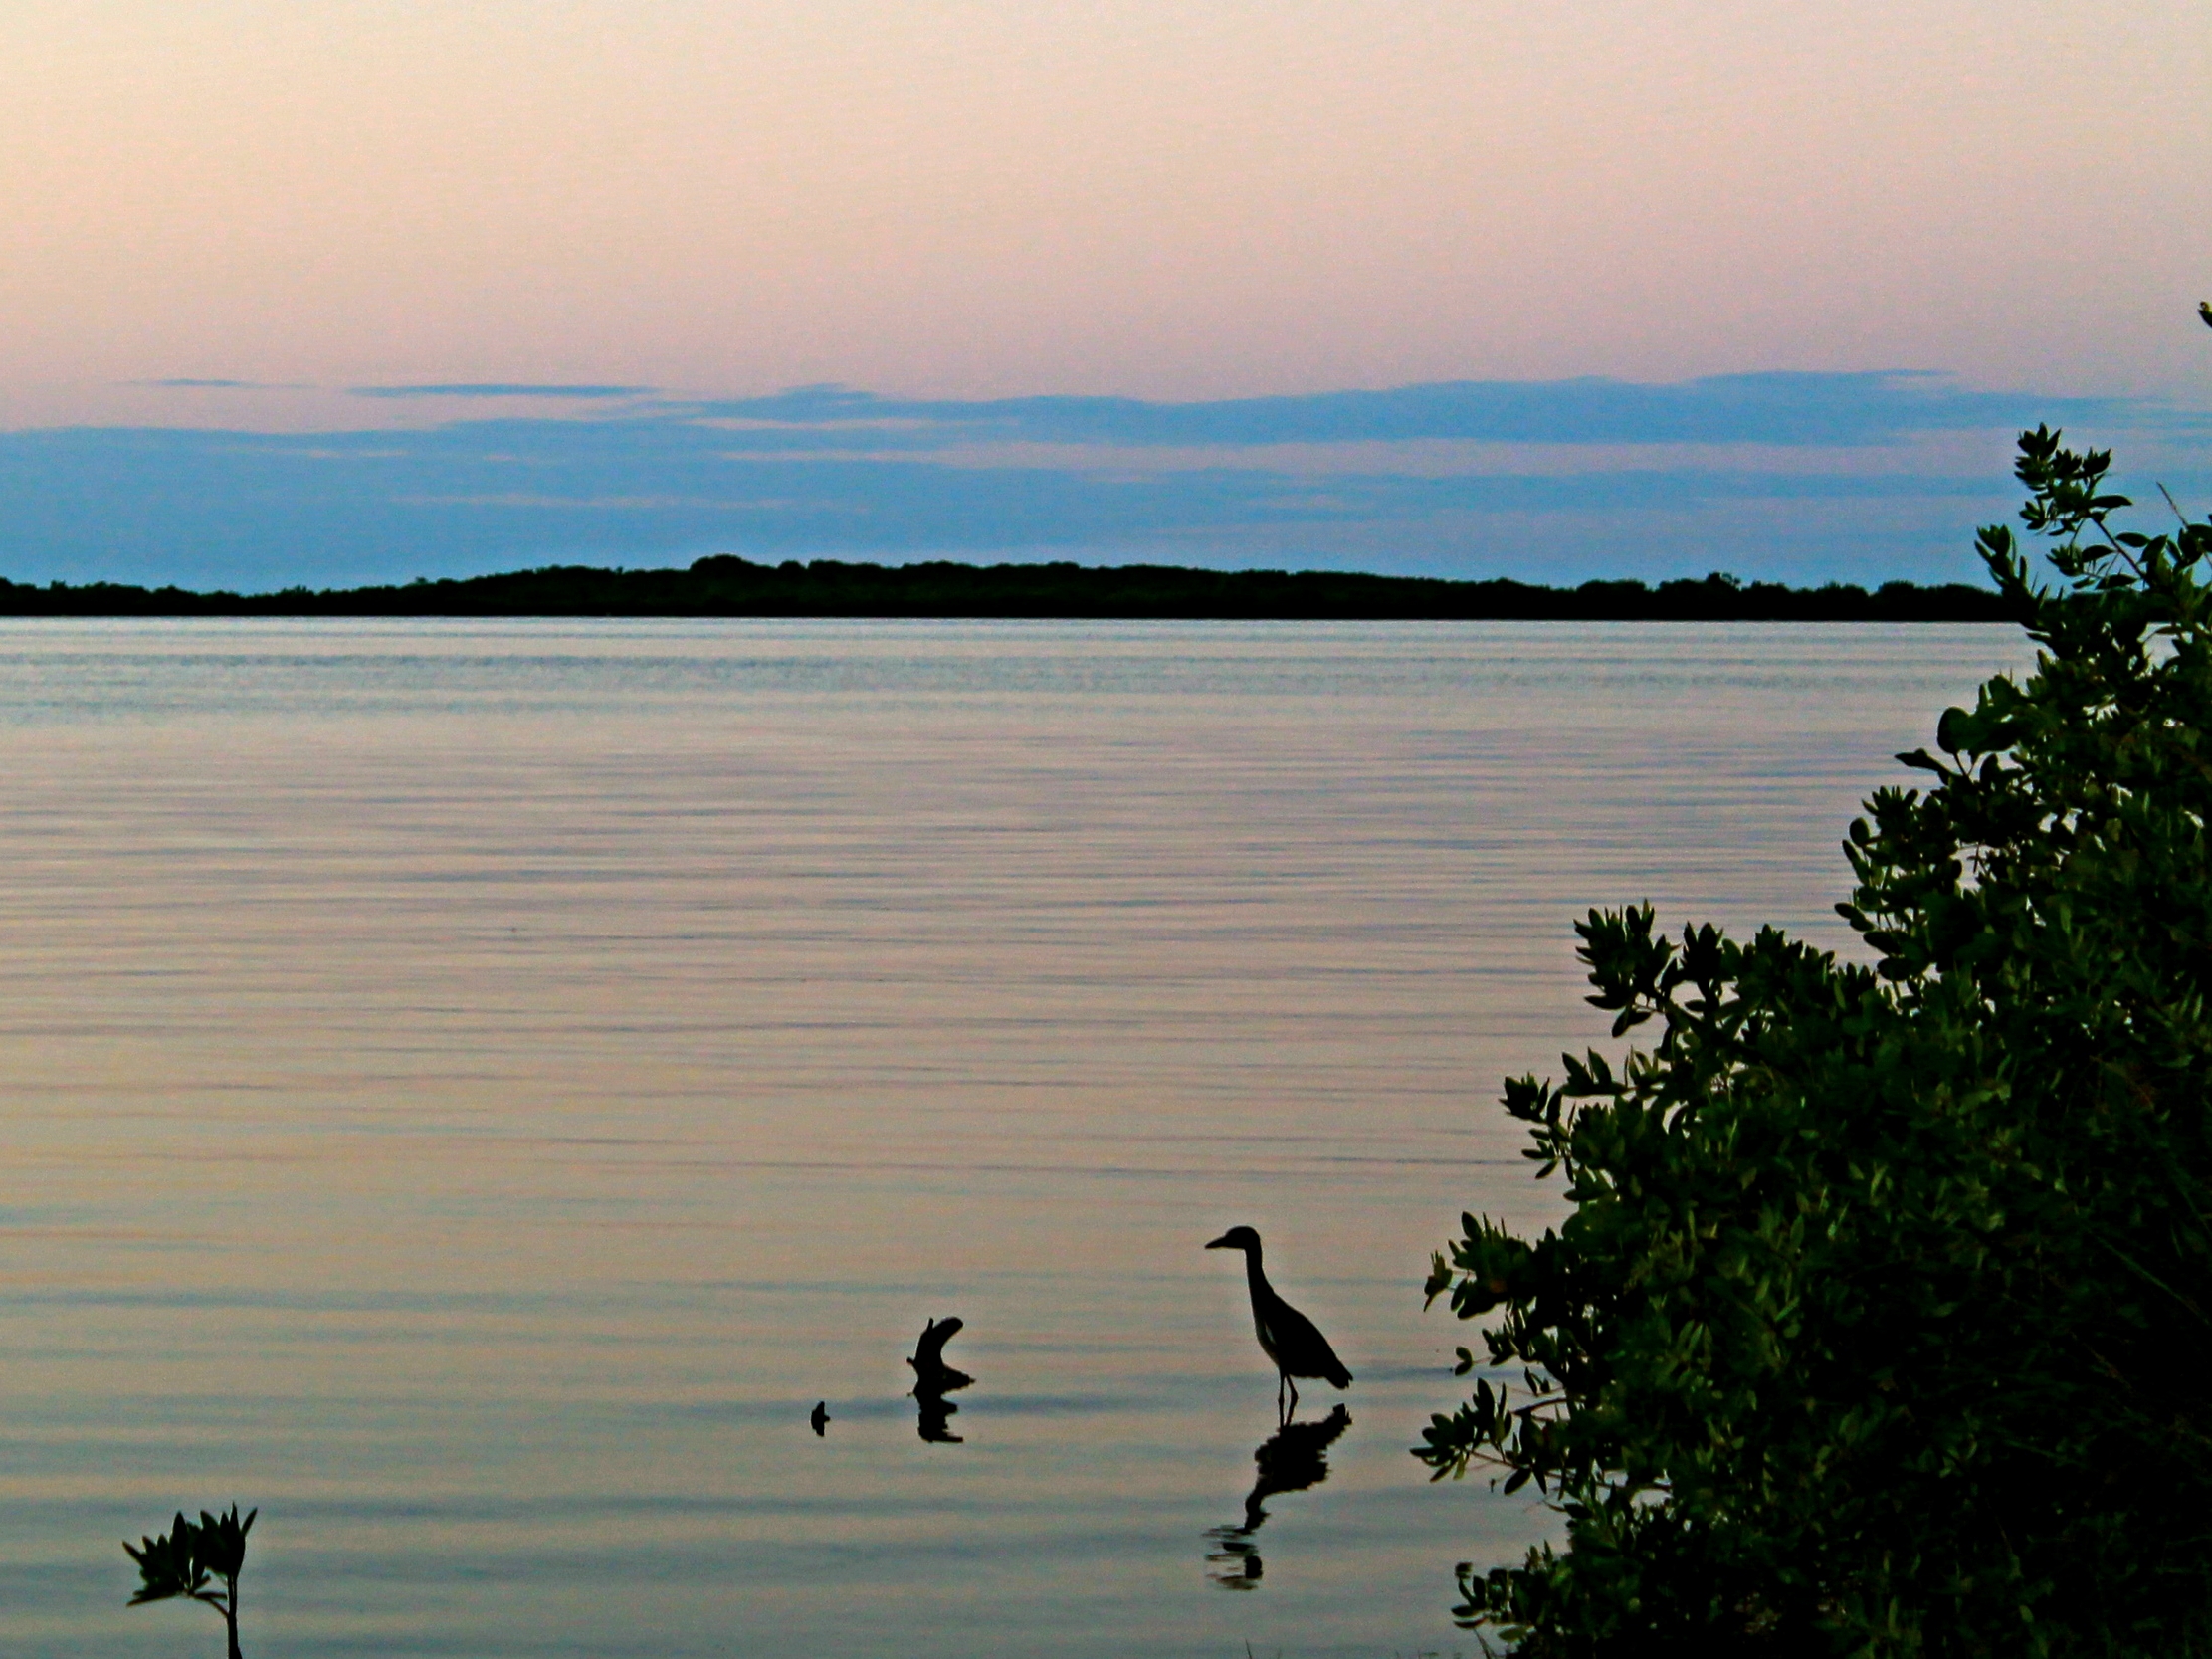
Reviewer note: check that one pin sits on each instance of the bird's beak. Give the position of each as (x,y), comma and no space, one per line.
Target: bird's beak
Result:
(1221,1243)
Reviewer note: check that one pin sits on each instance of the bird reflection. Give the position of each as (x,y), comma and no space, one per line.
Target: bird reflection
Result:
(933,1380)
(1293,1458)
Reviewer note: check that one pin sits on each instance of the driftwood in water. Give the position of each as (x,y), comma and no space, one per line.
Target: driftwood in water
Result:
(931,1374)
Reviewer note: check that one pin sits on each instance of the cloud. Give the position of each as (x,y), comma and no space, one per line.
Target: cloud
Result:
(1767,476)
(497,388)
(219,385)
(1775,408)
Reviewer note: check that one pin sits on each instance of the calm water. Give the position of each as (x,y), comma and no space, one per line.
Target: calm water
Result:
(471,1089)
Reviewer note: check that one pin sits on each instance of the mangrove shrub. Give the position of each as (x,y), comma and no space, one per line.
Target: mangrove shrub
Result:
(184,1562)
(1881,1321)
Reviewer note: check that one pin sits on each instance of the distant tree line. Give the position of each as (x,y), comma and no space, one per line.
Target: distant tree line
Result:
(724,585)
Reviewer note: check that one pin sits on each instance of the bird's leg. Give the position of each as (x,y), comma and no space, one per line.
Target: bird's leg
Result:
(1282,1378)
(1292,1381)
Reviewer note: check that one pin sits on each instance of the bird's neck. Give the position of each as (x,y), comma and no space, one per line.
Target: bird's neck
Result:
(1254,1277)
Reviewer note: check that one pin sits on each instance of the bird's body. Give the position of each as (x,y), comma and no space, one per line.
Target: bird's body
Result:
(819,1417)
(1286,1337)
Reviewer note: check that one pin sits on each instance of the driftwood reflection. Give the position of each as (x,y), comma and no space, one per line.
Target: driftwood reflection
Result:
(933,1419)
(1293,1458)
(933,1380)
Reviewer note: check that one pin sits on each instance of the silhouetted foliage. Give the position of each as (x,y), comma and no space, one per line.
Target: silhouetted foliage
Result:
(724,585)
(1882,1321)
(186,1560)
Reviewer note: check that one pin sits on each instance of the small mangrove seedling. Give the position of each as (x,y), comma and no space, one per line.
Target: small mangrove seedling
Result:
(186,1559)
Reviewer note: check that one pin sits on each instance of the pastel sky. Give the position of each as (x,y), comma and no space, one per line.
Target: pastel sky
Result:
(329,291)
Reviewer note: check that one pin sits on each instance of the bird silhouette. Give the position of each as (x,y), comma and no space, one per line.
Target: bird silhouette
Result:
(1286,1336)
(819,1417)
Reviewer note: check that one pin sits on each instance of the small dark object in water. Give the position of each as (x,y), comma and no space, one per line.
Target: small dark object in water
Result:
(933,1380)
(819,1416)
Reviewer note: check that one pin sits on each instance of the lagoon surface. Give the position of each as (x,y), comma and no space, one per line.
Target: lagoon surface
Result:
(472,1088)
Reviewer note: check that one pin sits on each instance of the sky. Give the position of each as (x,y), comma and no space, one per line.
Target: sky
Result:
(334,290)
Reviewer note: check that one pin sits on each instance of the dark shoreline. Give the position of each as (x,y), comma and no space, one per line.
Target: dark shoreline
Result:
(726,586)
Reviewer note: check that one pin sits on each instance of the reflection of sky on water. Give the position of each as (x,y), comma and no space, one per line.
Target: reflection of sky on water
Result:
(474,1103)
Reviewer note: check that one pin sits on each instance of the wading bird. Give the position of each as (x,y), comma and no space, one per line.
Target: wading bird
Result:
(1286,1336)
